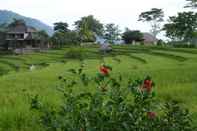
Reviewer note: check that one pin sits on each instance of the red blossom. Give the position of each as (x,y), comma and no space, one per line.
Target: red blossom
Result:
(104,70)
(151,115)
(147,85)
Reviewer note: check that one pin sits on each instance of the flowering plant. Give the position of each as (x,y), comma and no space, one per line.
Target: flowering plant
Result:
(110,106)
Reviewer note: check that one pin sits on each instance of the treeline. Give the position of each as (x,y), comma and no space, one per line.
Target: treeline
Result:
(87,29)
(181,28)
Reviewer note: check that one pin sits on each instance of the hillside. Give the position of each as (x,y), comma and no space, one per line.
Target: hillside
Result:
(7,17)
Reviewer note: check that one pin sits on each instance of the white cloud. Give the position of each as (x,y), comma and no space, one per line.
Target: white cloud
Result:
(122,12)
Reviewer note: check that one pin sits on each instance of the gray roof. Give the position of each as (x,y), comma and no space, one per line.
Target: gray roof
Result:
(149,38)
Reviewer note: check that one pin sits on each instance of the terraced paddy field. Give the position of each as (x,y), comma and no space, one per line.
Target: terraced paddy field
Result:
(173,70)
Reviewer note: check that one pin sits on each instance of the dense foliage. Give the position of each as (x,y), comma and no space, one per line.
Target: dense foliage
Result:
(60,39)
(130,36)
(75,53)
(61,27)
(64,36)
(182,27)
(112,107)
(112,33)
(88,27)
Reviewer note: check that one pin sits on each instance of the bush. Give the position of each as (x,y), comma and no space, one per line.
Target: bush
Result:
(182,45)
(60,39)
(75,53)
(111,107)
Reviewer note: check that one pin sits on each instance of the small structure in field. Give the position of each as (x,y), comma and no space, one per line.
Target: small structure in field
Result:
(149,39)
(32,67)
(105,48)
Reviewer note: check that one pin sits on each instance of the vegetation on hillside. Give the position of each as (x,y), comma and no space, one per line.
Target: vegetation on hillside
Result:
(7,17)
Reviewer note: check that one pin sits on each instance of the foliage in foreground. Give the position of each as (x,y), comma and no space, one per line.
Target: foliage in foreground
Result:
(111,107)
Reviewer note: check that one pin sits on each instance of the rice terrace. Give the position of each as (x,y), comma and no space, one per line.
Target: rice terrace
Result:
(127,66)
(174,72)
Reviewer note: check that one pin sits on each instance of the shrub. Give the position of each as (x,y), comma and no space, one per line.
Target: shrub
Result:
(182,45)
(111,107)
(75,53)
(60,39)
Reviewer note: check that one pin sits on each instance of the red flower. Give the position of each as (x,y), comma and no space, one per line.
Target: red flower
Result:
(147,85)
(104,70)
(151,115)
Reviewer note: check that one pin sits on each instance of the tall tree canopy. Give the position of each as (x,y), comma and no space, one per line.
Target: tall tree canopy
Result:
(130,36)
(61,27)
(63,35)
(86,35)
(112,33)
(90,23)
(154,17)
(58,39)
(181,27)
(191,3)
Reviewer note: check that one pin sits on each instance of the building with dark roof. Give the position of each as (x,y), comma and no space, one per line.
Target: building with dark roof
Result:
(20,32)
(19,37)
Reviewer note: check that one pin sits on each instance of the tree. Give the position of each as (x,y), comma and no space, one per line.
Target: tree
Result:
(154,17)
(191,4)
(92,24)
(130,36)
(42,36)
(61,27)
(88,27)
(112,33)
(86,35)
(181,27)
(63,35)
(72,37)
(59,39)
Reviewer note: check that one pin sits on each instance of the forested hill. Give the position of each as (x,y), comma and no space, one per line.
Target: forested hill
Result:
(6,17)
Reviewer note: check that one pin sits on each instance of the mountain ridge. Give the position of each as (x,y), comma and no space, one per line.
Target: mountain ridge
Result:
(6,17)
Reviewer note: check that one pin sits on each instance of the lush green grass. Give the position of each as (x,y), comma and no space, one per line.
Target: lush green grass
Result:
(173,70)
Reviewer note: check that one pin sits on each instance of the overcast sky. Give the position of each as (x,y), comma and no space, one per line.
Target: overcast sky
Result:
(122,12)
